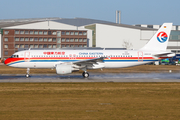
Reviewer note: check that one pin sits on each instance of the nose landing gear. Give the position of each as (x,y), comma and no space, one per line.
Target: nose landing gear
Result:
(27,75)
(28,71)
(85,74)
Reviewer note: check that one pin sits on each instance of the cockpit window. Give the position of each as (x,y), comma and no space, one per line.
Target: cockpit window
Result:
(14,56)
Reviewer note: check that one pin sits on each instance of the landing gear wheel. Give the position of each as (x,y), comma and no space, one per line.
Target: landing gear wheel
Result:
(85,74)
(27,75)
(28,71)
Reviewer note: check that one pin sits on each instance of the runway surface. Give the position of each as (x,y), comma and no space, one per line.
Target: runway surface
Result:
(95,77)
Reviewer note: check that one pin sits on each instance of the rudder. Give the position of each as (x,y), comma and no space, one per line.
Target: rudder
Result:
(160,40)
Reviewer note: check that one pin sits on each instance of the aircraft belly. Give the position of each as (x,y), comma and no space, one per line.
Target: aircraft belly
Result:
(35,65)
(122,64)
(44,65)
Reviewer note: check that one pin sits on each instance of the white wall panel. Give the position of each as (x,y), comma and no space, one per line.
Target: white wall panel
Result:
(114,36)
(147,35)
(173,27)
(156,26)
(143,25)
(173,43)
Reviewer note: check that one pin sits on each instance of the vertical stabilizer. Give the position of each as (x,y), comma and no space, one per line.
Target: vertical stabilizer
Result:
(160,40)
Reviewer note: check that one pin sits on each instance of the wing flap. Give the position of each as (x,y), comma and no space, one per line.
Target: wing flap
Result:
(89,62)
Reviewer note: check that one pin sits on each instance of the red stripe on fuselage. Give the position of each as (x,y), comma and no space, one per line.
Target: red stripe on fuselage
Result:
(9,60)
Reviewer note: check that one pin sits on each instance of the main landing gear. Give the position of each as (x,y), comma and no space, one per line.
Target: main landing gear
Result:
(28,71)
(85,74)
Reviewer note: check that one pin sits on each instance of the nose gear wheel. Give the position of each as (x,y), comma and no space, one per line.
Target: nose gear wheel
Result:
(85,74)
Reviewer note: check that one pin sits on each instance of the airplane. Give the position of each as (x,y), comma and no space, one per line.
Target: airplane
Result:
(67,61)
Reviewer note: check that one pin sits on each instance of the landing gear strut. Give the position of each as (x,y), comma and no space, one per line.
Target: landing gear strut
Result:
(27,75)
(85,74)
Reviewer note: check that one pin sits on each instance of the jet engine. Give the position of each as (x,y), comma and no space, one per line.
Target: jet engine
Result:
(64,69)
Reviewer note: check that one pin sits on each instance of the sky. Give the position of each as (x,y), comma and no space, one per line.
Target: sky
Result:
(132,11)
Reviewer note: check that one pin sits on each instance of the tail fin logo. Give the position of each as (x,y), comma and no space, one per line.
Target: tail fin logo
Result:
(162,37)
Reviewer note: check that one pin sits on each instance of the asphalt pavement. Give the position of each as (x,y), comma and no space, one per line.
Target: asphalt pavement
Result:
(94,77)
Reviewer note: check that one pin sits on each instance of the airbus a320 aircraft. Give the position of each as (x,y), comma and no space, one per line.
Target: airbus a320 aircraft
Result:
(66,61)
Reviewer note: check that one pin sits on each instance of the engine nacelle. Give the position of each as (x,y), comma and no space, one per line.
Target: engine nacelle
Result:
(64,69)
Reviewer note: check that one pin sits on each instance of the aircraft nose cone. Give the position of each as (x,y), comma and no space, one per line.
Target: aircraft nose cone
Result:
(7,61)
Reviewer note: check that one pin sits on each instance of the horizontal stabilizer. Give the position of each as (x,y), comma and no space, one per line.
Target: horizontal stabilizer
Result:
(164,55)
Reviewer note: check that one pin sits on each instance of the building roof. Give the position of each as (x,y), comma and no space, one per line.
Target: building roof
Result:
(84,21)
(70,21)
(128,26)
(14,22)
(80,21)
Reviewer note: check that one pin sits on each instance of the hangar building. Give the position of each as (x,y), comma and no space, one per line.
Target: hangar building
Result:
(77,32)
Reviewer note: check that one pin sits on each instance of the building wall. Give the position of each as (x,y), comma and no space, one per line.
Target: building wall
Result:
(8,43)
(92,27)
(120,37)
(70,36)
(89,35)
(41,38)
(146,34)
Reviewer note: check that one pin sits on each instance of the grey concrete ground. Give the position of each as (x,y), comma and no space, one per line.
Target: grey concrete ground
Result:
(94,77)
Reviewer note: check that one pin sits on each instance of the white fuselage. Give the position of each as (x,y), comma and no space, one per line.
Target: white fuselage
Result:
(50,58)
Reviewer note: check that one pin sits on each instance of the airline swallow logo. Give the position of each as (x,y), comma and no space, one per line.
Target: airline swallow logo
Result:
(162,37)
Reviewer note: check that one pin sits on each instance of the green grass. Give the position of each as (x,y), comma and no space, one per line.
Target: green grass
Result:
(103,101)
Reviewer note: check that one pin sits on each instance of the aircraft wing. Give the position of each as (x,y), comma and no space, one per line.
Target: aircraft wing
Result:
(89,62)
